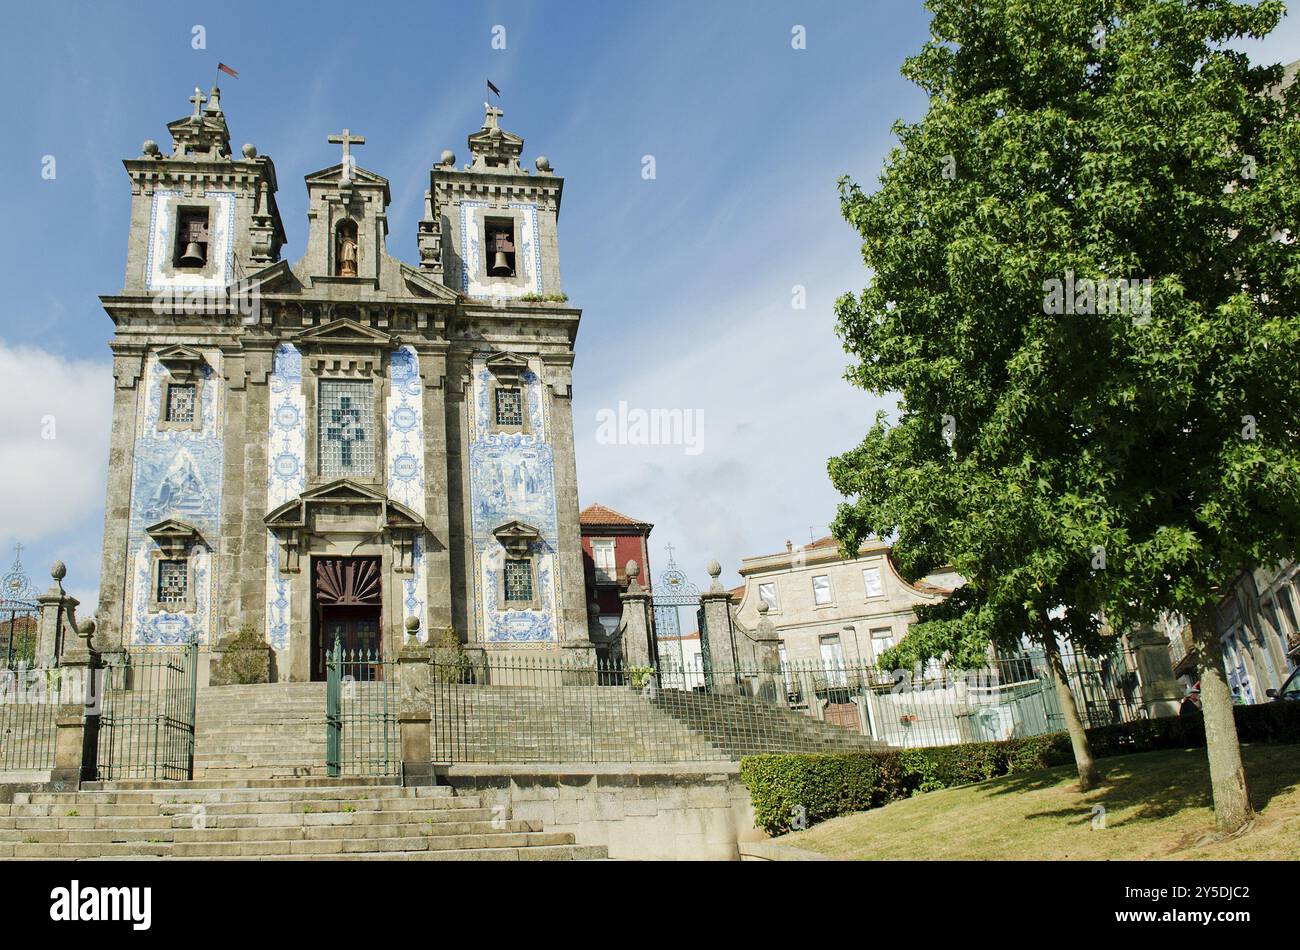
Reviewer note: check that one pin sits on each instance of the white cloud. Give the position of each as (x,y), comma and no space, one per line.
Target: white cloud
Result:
(51,485)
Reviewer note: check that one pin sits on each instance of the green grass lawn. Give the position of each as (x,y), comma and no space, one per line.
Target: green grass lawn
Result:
(1157,806)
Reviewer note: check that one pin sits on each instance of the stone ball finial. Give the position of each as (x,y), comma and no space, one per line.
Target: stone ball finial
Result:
(412,625)
(763,608)
(151,148)
(448,157)
(87,629)
(633,570)
(714,569)
(250,151)
(543,163)
(58,571)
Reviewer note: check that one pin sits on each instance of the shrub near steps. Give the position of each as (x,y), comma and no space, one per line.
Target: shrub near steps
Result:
(369,822)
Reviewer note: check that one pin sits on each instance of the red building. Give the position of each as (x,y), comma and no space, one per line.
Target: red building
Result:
(609,540)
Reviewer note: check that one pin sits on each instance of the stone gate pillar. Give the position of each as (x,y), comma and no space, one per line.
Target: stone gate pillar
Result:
(638,622)
(767,651)
(415,708)
(57,619)
(724,662)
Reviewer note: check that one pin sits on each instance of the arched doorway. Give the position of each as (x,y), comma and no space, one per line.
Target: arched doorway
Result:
(347,601)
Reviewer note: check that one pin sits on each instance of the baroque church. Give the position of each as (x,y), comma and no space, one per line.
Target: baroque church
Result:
(322,450)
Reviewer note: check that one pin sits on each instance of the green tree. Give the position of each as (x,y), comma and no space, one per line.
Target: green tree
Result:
(1062,440)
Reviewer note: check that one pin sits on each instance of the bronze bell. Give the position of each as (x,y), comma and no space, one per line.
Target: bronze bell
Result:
(501,244)
(193,256)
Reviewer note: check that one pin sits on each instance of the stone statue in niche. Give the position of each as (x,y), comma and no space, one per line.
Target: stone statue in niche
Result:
(345,250)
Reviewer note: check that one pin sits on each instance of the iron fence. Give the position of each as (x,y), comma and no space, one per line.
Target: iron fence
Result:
(361,732)
(542,710)
(146,723)
(28,713)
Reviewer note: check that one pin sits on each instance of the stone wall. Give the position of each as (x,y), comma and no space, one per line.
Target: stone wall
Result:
(680,812)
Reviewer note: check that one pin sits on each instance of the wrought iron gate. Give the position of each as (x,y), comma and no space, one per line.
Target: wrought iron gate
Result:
(679,664)
(146,721)
(361,736)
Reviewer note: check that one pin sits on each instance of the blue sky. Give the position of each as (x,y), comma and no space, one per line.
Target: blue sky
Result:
(685,280)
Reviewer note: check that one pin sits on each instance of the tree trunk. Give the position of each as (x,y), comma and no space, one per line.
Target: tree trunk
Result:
(1089,776)
(1232,809)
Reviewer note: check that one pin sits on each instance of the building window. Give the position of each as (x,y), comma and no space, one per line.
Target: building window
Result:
(832,659)
(500,247)
(882,638)
(767,594)
(173,582)
(191,238)
(871,580)
(519,580)
(602,553)
(821,590)
(510,406)
(180,402)
(346,432)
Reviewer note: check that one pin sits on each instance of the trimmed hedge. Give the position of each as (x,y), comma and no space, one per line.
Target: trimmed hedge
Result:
(827,785)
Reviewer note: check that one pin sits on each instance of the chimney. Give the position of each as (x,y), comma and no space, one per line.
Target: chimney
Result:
(788,546)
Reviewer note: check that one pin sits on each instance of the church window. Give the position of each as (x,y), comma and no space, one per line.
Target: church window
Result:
(510,406)
(500,247)
(173,582)
(180,402)
(191,238)
(345,430)
(519,580)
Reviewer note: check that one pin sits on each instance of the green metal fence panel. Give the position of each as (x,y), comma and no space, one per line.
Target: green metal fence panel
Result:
(28,710)
(146,724)
(502,710)
(361,731)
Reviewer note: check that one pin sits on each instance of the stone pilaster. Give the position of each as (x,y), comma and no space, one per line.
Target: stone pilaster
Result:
(128,365)
(437,515)
(249,583)
(1161,694)
(79,703)
(637,624)
(573,595)
(229,547)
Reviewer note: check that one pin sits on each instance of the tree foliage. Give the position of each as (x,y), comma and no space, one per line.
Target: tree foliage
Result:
(1121,461)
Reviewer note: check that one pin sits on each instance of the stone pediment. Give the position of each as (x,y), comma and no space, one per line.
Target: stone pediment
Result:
(340,494)
(507,367)
(173,536)
(345,346)
(343,331)
(516,536)
(183,362)
(421,285)
(360,176)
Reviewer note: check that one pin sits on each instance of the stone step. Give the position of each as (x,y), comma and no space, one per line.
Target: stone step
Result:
(519,839)
(170,795)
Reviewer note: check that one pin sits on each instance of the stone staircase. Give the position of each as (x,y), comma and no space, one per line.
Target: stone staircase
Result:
(268,731)
(574,724)
(739,726)
(294,820)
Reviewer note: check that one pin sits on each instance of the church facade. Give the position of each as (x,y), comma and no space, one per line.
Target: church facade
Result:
(321,450)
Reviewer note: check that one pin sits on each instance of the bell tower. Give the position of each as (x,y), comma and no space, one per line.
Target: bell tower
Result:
(201,218)
(490,227)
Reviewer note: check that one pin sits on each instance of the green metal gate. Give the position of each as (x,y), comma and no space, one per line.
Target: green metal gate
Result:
(146,722)
(361,736)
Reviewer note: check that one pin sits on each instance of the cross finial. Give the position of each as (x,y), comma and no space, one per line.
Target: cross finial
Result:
(198,99)
(669,548)
(346,139)
(490,115)
(18,554)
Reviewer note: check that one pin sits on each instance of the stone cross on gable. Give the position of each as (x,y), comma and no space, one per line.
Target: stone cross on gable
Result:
(346,139)
(490,115)
(198,99)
